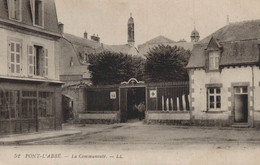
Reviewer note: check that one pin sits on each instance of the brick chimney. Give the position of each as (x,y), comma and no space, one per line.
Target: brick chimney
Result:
(95,38)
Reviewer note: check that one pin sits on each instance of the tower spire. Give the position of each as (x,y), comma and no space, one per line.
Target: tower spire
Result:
(131,31)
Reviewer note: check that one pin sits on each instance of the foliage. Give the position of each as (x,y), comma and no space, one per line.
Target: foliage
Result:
(166,63)
(113,68)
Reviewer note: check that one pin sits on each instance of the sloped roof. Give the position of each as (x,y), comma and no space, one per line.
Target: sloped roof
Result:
(50,15)
(81,41)
(119,48)
(239,42)
(236,31)
(72,47)
(161,40)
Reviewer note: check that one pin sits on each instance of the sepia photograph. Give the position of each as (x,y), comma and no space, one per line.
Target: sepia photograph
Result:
(129,82)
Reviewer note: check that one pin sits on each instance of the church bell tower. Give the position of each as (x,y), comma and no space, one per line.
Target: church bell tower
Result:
(131,31)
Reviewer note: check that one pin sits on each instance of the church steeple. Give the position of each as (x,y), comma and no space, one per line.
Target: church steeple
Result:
(131,31)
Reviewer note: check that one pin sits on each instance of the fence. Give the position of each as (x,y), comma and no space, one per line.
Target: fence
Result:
(172,96)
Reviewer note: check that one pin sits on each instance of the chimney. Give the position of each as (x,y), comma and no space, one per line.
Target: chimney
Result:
(61,28)
(95,38)
(85,35)
(228,20)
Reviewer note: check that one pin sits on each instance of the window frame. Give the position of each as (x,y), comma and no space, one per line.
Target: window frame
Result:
(215,95)
(15,63)
(12,8)
(214,64)
(33,7)
(43,61)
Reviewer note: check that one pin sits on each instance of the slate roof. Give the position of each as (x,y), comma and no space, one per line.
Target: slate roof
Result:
(126,48)
(71,48)
(81,43)
(161,40)
(239,42)
(50,15)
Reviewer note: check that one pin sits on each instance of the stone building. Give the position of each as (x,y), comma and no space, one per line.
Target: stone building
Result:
(30,90)
(162,40)
(224,77)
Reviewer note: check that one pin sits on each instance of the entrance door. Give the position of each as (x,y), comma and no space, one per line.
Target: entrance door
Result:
(123,104)
(241,104)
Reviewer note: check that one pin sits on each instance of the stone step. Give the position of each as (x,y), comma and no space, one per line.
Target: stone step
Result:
(240,125)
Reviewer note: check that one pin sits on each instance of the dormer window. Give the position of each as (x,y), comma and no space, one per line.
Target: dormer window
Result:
(214,60)
(15,10)
(37,12)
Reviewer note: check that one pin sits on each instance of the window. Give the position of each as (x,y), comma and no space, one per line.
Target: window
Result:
(37,12)
(45,104)
(14,10)
(9,104)
(15,54)
(240,90)
(37,61)
(214,60)
(214,98)
(29,104)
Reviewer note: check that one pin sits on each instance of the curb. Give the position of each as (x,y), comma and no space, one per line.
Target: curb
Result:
(18,142)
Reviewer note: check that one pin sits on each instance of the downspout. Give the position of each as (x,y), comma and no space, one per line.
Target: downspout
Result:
(253,89)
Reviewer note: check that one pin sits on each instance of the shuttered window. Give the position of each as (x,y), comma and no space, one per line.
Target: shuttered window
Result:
(37,61)
(15,55)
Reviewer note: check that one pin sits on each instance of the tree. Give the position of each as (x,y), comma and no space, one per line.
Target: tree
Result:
(114,68)
(166,63)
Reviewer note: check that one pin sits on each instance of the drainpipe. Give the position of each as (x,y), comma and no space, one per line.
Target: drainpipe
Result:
(253,87)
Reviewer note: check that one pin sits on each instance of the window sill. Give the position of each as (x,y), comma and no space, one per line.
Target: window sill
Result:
(153,111)
(39,26)
(214,111)
(214,70)
(16,20)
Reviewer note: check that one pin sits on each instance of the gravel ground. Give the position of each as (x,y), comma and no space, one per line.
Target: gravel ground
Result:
(138,143)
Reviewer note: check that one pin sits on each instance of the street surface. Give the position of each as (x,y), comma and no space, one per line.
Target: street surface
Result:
(136,135)
(137,143)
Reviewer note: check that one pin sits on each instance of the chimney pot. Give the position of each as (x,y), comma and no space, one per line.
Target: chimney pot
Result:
(61,28)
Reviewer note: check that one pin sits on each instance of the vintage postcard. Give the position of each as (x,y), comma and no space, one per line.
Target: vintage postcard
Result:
(93,82)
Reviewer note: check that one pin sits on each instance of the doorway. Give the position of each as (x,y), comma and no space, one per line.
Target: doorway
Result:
(241,105)
(130,98)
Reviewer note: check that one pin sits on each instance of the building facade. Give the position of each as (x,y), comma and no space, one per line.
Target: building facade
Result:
(225,76)
(30,90)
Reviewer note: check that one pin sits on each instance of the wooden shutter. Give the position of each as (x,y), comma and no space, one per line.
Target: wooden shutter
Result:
(9,57)
(12,55)
(31,61)
(42,62)
(32,9)
(46,63)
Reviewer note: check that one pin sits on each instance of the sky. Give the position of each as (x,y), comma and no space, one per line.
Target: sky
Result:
(174,19)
